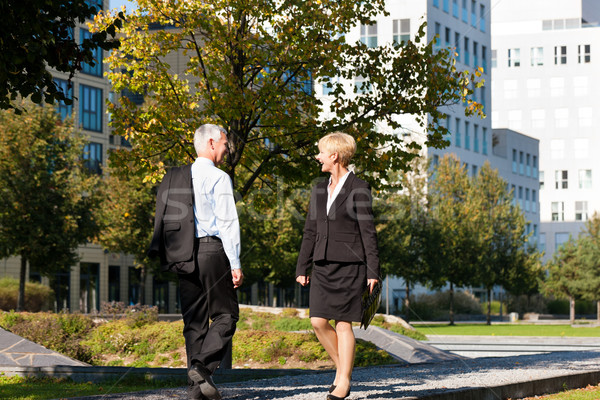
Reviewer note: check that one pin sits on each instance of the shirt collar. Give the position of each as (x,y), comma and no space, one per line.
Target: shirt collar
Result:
(204,161)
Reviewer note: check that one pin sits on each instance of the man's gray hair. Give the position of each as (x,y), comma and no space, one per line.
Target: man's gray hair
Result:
(204,133)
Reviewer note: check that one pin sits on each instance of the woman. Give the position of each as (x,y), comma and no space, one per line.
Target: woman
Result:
(340,240)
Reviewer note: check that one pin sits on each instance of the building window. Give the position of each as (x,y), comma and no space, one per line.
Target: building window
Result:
(455,8)
(90,108)
(95,69)
(521,163)
(467,59)
(581,146)
(89,287)
(560,238)
(542,243)
(436,3)
(114,283)
(457,137)
(521,197)
(561,179)
(494,58)
(484,59)
(482,18)
(476,138)
(401,30)
(541,180)
(483,98)
(528,164)
(465,12)
(457,45)
(473,13)
(92,156)
(535,167)
(514,161)
(560,55)
(362,85)
(135,280)
(447,37)
(514,58)
(561,116)
(438,34)
(558,211)
(584,53)
(513,193)
(474,170)
(484,146)
(475,54)
(527,200)
(557,149)
(515,118)
(467,136)
(585,179)
(537,56)
(581,86)
(63,109)
(534,88)
(368,35)
(581,211)
(446,5)
(533,200)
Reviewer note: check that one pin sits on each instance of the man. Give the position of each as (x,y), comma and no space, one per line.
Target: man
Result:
(204,251)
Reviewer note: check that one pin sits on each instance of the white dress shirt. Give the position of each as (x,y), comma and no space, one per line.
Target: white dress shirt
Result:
(214,207)
(331,196)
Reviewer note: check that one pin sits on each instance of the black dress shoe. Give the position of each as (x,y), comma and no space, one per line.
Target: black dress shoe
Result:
(334,397)
(331,388)
(201,376)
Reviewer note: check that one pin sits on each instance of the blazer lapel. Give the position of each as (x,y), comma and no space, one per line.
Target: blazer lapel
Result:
(343,194)
(322,199)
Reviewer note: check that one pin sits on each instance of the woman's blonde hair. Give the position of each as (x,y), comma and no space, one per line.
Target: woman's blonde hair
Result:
(341,143)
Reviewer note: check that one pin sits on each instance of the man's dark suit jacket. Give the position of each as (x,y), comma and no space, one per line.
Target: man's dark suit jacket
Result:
(174,225)
(347,234)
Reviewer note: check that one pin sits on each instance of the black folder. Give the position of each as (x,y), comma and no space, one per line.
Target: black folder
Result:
(370,304)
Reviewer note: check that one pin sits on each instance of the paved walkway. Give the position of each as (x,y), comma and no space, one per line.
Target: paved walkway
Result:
(18,352)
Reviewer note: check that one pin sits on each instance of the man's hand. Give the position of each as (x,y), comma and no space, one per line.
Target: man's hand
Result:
(303,279)
(238,277)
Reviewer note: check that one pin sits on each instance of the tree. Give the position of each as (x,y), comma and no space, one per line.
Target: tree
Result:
(126,218)
(504,256)
(406,231)
(589,254)
(456,220)
(564,275)
(47,193)
(249,66)
(38,35)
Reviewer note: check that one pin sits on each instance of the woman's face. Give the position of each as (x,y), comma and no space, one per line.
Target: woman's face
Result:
(327,159)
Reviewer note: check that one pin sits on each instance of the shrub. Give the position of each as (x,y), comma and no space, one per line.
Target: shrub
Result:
(37,296)
(523,304)
(436,306)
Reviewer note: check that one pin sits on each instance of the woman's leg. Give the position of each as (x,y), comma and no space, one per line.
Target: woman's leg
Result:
(328,338)
(346,347)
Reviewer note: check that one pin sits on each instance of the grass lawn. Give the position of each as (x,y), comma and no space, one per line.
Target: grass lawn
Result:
(588,393)
(508,330)
(20,388)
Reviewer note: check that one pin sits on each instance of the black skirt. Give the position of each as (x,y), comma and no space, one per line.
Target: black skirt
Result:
(336,289)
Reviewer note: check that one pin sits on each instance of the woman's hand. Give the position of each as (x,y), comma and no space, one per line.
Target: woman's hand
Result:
(371,284)
(303,279)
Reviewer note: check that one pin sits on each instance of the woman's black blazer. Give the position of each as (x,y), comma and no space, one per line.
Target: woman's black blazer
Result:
(347,234)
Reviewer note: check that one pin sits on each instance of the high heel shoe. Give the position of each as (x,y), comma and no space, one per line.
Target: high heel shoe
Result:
(334,397)
(331,388)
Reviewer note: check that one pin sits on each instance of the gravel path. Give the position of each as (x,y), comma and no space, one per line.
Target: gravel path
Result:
(403,381)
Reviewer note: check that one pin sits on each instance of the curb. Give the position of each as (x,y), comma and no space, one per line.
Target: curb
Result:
(519,390)
(99,374)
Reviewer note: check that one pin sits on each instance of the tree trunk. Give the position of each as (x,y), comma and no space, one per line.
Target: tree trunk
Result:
(572,309)
(598,311)
(451,313)
(489,307)
(22,280)
(407,302)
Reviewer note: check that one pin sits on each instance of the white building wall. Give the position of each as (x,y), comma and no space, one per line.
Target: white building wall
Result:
(555,103)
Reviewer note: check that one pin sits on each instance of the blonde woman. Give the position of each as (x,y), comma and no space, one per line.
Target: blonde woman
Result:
(340,246)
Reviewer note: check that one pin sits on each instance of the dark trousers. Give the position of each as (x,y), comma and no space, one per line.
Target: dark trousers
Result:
(205,294)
